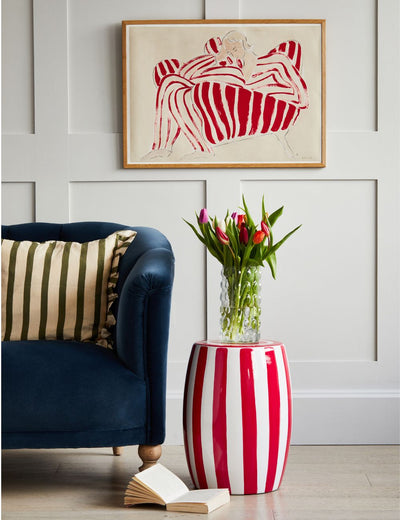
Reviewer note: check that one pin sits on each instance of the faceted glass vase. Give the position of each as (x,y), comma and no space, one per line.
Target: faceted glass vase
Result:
(240,309)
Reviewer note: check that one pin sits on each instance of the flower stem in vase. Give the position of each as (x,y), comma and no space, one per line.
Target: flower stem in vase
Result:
(240,304)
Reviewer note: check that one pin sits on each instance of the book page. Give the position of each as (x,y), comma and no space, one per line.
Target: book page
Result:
(167,485)
(200,500)
(201,495)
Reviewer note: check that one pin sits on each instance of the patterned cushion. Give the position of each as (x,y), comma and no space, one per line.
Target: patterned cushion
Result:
(61,290)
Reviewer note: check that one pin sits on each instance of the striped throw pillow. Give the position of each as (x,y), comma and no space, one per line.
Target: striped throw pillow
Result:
(61,290)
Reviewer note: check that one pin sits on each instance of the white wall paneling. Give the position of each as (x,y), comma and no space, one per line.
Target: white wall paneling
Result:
(226,9)
(17,68)
(336,300)
(18,204)
(51,67)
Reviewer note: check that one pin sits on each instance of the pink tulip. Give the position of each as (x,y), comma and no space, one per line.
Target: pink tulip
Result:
(234,217)
(203,218)
(265,228)
(258,237)
(243,235)
(222,236)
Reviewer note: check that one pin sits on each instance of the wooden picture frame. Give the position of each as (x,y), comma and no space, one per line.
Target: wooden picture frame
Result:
(223,93)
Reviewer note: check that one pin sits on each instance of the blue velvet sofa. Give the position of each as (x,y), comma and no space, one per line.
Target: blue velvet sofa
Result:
(66,394)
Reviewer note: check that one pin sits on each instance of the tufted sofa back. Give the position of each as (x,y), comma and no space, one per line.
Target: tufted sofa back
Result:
(85,232)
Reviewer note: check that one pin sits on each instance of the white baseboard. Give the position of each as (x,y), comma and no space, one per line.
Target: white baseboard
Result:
(324,418)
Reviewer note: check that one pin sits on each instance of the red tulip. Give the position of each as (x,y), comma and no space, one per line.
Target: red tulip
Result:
(258,237)
(243,235)
(222,236)
(265,228)
(241,219)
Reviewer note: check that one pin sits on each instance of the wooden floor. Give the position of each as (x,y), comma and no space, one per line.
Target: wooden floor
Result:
(321,482)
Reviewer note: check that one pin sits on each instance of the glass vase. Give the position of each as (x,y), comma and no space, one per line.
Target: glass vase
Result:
(240,308)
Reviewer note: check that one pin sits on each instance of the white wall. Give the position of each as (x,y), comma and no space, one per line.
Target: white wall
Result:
(336,301)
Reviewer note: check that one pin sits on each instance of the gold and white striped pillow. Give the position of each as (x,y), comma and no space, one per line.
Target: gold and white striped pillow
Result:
(60,290)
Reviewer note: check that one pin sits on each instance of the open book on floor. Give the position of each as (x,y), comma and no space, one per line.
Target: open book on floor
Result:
(158,485)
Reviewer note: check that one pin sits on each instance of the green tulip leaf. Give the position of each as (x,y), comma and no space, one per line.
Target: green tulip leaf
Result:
(271,261)
(195,231)
(274,216)
(250,221)
(278,244)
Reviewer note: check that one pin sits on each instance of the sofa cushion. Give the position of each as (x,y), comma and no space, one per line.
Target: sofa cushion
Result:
(58,290)
(56,386)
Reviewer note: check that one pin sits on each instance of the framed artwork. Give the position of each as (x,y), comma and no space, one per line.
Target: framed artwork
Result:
(224,93)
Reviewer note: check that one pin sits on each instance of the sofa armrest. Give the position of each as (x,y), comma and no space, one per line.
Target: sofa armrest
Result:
(143,327)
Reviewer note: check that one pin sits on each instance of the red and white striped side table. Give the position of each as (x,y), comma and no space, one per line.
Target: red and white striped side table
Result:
(237,415)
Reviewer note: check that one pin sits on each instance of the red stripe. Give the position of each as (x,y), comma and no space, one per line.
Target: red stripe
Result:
(175,137)
(276,125)
(215,94)
(292,49)
(196,417)
(289,116)
(215,43)
(230,96)
(202,102)
(282,47)
(243,110)
(162,68)
(289,391)
(170,67)
(256,112)
(219,419)
(249,420)
(294,46)
(157,125)
(267,115)
(274,418)
(218,100)
(185,404)
(198,104)
(189,113)
(169,129)
(303,83)
(298,60)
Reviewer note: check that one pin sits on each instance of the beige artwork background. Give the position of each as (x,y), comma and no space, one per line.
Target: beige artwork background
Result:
(147,44)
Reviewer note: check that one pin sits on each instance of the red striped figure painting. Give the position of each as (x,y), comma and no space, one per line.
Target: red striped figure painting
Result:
(226,94)
(232,91)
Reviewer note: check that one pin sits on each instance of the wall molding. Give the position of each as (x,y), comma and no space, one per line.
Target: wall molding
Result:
(334,394)
(323,418)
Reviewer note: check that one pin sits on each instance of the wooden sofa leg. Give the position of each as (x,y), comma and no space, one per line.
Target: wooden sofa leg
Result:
(117,450)
(149,455)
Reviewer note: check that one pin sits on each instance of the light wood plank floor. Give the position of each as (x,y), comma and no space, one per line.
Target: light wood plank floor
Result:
(320,483)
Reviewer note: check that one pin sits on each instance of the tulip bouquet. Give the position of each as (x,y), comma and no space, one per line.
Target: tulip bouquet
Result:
(241,246)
